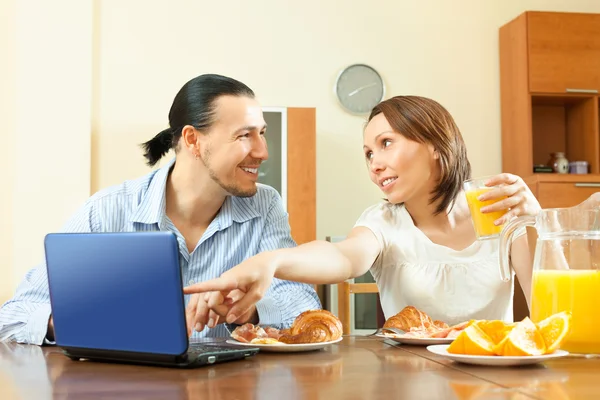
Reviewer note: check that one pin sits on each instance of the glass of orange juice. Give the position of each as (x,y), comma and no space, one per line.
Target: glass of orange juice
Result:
(482,222)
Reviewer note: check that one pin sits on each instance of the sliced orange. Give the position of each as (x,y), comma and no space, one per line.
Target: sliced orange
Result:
(555,330)
(524,339)
(495,329)
(472,341)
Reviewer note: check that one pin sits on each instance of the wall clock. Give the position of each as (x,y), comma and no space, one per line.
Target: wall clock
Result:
(359,88)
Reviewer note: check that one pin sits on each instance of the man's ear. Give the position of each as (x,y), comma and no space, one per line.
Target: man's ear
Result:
(191,139)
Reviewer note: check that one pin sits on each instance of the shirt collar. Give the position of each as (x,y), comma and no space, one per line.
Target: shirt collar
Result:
(152,208)
(238,209)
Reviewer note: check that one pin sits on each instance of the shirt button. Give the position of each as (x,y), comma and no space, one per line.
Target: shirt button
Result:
(191,282)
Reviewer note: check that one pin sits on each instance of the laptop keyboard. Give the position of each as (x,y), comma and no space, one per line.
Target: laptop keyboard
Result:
(201,348)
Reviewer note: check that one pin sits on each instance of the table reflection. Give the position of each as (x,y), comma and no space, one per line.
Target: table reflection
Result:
(517,384)
(357,368)
(30,372)
(24,372)
(270,377)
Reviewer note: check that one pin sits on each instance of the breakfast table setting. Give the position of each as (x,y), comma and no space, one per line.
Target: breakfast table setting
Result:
(554,353)
(355,367)
(410,357)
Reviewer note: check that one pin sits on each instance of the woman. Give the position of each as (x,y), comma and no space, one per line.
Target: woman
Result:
(419,243)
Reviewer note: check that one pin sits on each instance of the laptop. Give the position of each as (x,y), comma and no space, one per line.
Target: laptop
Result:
(119,297)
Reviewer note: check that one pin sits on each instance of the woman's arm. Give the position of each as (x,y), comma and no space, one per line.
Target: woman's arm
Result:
(321,262)
(316,262)
(521,263)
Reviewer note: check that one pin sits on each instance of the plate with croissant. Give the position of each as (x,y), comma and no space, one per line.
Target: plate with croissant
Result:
(311,330)
(420,329)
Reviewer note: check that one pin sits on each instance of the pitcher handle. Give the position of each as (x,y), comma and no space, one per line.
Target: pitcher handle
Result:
(506,240)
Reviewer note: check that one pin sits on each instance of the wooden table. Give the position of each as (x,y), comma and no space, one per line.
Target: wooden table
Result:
(356,368)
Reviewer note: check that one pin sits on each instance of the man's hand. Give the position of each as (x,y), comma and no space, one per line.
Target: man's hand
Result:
(50,331)
(210,309)
(216,301)
(238,289)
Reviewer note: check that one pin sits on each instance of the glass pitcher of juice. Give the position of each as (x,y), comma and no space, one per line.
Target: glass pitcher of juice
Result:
(566,271)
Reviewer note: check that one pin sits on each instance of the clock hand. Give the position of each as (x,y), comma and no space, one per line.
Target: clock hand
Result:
(352,93)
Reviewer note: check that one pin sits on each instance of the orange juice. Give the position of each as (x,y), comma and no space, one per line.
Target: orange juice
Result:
(483,223)
(577,291)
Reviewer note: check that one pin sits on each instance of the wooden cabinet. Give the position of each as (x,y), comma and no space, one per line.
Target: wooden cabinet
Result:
(291,167)
(549,84)
(558,190)
(563,51)
(568,124)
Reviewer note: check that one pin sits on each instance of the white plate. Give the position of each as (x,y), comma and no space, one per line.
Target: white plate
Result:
(286,348)
(416,341)
(496,361)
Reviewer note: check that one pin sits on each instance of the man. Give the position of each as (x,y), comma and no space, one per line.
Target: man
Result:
(207,196)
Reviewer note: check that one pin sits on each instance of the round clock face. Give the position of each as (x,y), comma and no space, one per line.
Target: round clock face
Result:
(359,88)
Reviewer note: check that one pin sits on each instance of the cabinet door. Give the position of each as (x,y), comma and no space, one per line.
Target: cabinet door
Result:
(565,194)
(564,52)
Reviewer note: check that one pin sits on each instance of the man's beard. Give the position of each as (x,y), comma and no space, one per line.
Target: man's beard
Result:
(233,189)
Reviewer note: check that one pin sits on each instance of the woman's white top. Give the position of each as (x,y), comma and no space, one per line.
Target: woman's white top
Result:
(448,285)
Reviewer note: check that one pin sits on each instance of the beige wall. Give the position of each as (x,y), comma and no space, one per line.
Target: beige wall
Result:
(47,126)
(7,109)
(288,52)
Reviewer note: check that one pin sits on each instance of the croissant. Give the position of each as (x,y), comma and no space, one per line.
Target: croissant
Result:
(409,318)
(313,326)
(441,324)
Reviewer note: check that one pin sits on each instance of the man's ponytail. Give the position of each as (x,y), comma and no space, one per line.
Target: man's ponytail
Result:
(158,146)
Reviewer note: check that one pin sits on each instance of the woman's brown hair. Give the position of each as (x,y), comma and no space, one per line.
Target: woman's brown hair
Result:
(426,121)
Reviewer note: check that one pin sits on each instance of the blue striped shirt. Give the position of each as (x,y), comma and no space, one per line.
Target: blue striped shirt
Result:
(242,228)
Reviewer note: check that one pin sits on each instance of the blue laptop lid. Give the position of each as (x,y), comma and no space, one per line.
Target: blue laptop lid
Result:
(117,291)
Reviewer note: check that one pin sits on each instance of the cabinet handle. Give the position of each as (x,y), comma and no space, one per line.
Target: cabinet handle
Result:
(588,185)
(582,90)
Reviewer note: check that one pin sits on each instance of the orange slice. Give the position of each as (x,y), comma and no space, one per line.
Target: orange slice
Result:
(495,329)
(472,341)
(524,339)
(555,330)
